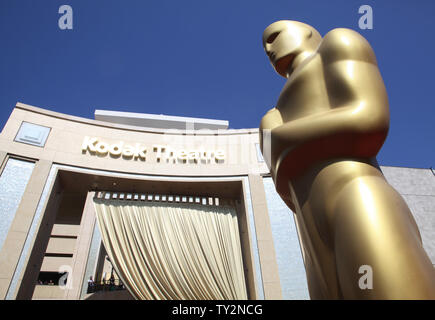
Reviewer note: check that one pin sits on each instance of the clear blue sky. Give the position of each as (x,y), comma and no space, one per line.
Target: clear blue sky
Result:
(205,59)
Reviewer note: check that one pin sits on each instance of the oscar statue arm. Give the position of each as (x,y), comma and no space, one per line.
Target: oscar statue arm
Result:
(270,120)
(357,121)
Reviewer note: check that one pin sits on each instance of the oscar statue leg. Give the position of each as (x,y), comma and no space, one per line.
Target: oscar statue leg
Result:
(374,227)
(320,286)
(318,252)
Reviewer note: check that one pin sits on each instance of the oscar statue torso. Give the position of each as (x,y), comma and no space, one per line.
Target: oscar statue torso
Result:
(305,92)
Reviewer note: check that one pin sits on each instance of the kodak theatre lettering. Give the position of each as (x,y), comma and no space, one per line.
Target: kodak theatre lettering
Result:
(163,153)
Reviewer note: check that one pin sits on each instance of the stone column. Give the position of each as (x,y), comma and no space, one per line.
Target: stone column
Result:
(266,250)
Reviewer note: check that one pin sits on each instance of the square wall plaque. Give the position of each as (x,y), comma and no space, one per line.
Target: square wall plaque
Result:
(33,134)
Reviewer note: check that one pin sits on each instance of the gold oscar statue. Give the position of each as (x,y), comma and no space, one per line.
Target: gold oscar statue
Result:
(359,239)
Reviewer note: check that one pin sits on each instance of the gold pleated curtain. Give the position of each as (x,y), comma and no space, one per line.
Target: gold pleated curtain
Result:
(169,251)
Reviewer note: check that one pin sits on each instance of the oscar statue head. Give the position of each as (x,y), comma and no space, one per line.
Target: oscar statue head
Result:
(288,43)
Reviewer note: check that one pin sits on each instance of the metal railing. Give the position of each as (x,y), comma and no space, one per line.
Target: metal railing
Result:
(106,285)
(203,200)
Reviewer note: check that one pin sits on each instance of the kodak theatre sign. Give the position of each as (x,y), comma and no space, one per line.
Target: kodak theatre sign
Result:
(162,153)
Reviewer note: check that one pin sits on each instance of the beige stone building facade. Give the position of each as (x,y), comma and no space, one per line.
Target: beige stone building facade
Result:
(52,165)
